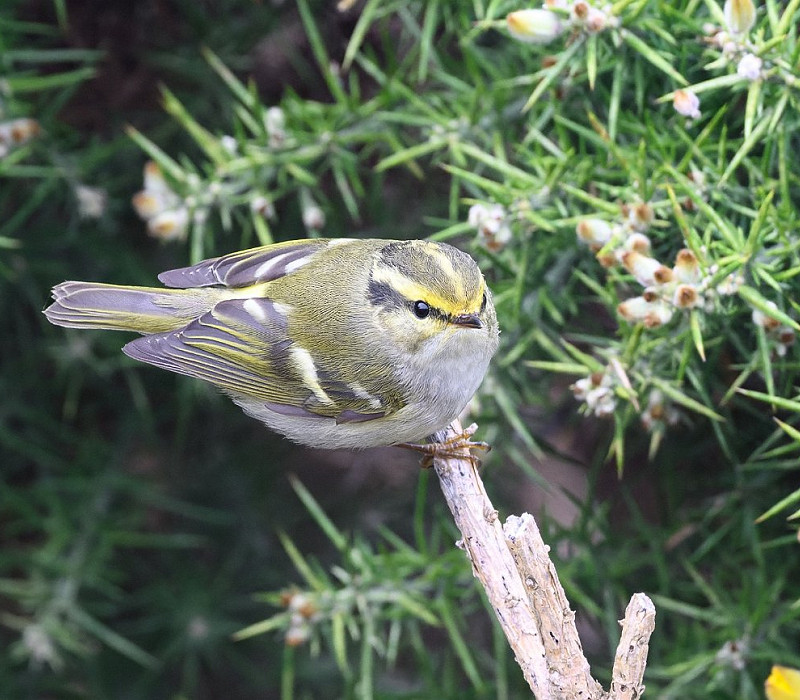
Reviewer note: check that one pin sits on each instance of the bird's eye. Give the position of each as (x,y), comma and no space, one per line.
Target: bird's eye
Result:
(483,302)
(421,309)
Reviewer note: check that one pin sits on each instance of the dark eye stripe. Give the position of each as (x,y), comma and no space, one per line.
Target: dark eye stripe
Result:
(382,294)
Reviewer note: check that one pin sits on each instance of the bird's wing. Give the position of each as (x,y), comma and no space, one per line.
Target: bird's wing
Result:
(242,347)
(247,266)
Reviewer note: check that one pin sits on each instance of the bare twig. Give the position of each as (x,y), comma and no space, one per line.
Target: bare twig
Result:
(631,658)
(513,565)
(569,675)
(492,563)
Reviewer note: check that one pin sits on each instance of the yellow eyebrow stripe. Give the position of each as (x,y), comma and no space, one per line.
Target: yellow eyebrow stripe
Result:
(414,291)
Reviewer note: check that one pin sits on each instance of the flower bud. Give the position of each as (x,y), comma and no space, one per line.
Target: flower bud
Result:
(486,217)
(640,216)
(740,15)
(147,204)
(262,206)
(39,644)
(497,240)
(730,285)
(581,10)
(596,20)
(601,401)
(685,296)
(606,260)
(660,315)
(786,336)
(534,26)
(634,309)
(647,271)
(595,232)
(765,321)
(651,294)
(687,269)
(749,67)
(153,177)
(686,103)
(169,225)
(581,388)
(229,143)
(698,177)
(313,218)
(19,131)
(312,214)
(638,242)
(297,635)
(91,201)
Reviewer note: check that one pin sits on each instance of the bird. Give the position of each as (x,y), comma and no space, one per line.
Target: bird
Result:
(333,343)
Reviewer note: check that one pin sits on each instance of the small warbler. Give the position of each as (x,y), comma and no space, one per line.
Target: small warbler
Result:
(335,343)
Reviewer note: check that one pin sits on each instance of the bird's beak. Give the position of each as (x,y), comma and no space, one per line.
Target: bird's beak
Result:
(468,321)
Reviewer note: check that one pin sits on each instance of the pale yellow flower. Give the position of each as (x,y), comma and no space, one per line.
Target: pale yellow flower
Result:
(783,684)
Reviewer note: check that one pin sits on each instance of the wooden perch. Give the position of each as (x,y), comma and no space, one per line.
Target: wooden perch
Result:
(513,565)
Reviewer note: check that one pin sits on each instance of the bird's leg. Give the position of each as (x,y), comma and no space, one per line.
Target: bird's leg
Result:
(450,448)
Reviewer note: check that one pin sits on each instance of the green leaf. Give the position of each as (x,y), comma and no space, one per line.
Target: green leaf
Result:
(20,83)
(591,60)
(551,73)
(112,639)
(777,401)
(748,145)
(300,563)
(559,367)
(326,524)
(751,108)
(787,17)
(784,503)
(651,55)
(365,18)
(686,401)
(271,623)
(320,52)
(697,334)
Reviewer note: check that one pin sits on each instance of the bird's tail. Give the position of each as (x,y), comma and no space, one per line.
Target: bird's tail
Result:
(115,307)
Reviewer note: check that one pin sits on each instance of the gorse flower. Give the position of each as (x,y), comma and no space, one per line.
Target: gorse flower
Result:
(597,392)
(312,214)
(17,132)
(166,213)
(686,103)
(749,67)
(541,26)
(783,683)
(534,26)
(781,336)
(91,201)
(740,15)
(492,224)
(595,232)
